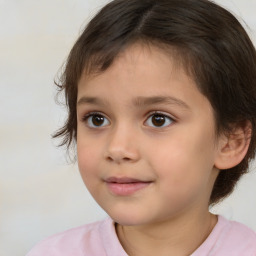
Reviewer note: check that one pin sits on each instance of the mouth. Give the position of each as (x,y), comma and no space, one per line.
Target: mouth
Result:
(125,186)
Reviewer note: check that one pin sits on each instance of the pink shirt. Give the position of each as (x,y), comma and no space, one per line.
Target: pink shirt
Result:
(228,238)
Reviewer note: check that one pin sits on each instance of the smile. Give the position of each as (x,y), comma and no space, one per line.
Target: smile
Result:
(125,186)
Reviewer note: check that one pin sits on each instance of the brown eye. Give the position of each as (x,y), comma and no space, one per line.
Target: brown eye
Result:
(96,120)
(159,120)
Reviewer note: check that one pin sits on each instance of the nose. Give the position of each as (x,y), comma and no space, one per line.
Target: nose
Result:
(122,146)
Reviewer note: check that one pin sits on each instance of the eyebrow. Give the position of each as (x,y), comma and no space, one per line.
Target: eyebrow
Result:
(137,102)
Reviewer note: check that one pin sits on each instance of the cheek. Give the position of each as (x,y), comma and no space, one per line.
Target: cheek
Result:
(87,164)
(87,156)
(183,159)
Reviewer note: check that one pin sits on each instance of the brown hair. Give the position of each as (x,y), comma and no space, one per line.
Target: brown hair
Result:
(214,47)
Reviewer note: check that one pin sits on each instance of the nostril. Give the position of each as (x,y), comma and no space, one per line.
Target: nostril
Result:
(126,158)
(121,155)
(109,158)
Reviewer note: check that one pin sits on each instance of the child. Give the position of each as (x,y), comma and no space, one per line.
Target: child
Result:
(162,108)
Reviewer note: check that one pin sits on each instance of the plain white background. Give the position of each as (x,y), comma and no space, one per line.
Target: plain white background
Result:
(40,194)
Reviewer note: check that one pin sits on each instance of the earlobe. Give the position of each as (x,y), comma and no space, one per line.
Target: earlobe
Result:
(233,147)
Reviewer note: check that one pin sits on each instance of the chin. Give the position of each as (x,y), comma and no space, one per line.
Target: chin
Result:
(127,222)
(127,218)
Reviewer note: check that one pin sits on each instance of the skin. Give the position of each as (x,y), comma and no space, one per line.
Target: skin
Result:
(169,216)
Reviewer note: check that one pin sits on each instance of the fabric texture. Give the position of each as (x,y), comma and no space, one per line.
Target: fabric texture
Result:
(228,238)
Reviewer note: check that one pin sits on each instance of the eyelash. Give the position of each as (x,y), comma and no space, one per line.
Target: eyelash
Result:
(151,114)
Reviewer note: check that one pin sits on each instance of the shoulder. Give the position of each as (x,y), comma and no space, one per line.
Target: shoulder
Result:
(236,238)
(77,241)
(228,238)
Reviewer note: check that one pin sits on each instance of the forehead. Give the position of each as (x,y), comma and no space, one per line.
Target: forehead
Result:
(99,62)
(147,56)
(142,72)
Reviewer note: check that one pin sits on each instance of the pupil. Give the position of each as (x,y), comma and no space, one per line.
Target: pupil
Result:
(98,120)
(158,120)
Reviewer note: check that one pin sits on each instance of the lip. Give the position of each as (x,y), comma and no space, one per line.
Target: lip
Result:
(125,186)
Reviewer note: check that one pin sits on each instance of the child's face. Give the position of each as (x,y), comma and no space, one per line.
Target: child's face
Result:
(140,166)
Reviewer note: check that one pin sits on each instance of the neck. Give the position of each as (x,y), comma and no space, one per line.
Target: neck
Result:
(178,236)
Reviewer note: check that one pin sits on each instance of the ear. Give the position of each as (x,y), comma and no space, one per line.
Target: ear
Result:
(233,147)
